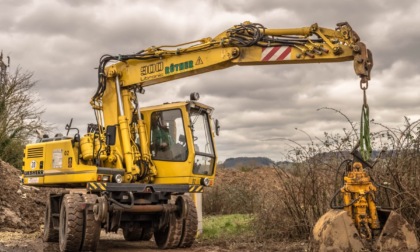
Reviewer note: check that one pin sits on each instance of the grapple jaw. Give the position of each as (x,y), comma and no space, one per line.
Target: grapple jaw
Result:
(396,235)
(336,231)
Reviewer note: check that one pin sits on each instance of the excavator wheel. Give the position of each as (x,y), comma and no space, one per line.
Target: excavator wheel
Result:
(336,231)
(169,236)
(50,234)
(92,227)
(71,223)
(189,224)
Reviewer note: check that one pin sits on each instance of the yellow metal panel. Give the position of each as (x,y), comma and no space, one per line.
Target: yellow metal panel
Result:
(171,67)
(70,177)
(55,164)
(190,180)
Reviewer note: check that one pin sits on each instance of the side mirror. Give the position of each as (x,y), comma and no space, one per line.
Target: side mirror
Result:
(110,135)
(217,127)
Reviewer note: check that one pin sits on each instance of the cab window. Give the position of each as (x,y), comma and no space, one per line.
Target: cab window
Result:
(204,161)
(168,136)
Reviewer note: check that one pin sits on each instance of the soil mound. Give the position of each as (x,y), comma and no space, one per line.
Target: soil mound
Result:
(21,207)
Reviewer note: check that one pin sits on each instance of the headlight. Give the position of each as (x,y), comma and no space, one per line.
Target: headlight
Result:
(118,178)
(205,181)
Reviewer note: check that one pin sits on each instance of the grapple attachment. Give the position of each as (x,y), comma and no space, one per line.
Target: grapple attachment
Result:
(358,224)
(336,231)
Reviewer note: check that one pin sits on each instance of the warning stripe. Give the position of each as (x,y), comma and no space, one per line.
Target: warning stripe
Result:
(96,186)
(195,189)
(102,186)
(276,53)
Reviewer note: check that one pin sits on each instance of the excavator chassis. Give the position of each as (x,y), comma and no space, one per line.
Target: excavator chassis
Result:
(74,218)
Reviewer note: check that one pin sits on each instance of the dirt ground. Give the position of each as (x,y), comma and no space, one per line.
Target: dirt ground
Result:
(21,242)
(18,241)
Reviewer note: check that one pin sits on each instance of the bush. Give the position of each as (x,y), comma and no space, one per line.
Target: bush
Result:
(233,193)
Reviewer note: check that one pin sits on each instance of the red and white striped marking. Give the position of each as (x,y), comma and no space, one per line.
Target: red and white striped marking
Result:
(276,53)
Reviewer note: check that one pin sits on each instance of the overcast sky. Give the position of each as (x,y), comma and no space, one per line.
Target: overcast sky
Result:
(61,42)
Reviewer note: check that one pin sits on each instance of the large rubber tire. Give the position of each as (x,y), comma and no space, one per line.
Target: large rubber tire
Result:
(169,236)
(92,228)
(189,224)
(132,231)
(71,223)
(50,234)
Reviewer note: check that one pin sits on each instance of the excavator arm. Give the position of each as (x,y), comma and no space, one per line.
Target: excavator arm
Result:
(244,44)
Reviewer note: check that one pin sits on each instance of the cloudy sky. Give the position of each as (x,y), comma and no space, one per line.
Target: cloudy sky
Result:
(61,42)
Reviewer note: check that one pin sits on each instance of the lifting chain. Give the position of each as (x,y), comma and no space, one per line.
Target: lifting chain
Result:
(365,146)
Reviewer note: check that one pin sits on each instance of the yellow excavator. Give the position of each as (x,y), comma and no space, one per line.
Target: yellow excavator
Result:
(135,166)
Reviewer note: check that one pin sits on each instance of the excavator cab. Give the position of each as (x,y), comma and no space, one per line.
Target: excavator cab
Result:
(181,143)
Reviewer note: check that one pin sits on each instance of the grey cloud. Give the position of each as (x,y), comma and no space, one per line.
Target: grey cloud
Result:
(61,42)
(81,3)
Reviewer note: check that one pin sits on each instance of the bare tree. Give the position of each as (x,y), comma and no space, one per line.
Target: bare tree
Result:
(19,114)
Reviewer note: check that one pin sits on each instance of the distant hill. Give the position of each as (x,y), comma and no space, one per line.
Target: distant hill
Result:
(248,162)
(256,162)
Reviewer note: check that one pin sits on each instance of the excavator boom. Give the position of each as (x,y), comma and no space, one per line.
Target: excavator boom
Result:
(244,44)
